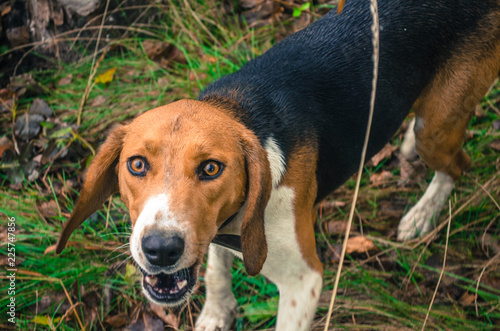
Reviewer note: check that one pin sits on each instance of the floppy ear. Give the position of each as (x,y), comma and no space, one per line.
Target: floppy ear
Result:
(100,182)
(253,238)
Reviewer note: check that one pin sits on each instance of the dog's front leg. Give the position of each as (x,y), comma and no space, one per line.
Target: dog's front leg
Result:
(292,263)
(218,311)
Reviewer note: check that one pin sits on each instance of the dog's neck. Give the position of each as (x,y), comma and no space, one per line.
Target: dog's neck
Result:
(231,241)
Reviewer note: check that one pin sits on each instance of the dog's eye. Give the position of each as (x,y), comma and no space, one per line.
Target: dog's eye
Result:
(137,166)
(210,170)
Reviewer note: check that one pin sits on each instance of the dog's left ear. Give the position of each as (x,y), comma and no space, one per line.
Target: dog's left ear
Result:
(253,238)
(100,182)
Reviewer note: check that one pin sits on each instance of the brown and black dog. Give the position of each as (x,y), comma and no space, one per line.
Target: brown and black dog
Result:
(246,164)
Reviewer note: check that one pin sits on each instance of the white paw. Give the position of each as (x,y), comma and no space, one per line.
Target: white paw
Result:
(418,221)
(217,316)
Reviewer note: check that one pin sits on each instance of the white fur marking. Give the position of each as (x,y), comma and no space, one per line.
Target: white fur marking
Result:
(408,149)
(286,266)
(153,205)
(418,220)
(276,160)
(219,309)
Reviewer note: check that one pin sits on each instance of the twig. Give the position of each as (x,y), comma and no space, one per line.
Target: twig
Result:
(490,262)
(93,68)
(442,270)
(375,43)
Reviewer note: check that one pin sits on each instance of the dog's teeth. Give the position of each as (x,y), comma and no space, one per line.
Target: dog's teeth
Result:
(181,284)
(174,290)
(152,280)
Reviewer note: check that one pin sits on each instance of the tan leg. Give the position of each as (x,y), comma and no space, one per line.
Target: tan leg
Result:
(442,114)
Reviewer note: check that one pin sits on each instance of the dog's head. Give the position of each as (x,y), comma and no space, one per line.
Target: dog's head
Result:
(182,170)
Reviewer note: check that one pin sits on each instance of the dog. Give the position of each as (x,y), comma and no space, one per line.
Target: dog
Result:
(241,170)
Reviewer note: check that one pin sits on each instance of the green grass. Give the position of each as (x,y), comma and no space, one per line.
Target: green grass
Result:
(97,271)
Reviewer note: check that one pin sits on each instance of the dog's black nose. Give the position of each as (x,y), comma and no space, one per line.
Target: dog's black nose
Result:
(161,250)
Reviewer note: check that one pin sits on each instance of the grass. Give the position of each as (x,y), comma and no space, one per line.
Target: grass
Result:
(388,289)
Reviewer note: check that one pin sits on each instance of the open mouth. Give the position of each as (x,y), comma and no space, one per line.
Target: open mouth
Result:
(169,289)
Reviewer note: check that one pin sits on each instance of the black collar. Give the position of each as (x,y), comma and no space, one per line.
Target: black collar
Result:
(228,240)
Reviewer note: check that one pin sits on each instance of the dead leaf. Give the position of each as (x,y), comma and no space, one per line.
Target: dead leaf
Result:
(65,80)
(40,107)
(496,125)
(106,77)
(5,144)
(49,208)
(336,227)
(340,6)
(359,244)
(378,179)
(385,153)
(98,101)
(163,53)
(171,319)
(146,322)
(495,144)
(466,299)
(6,10)
(117,321)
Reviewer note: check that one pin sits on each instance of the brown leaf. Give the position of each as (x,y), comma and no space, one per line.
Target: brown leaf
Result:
(98,101)
(378,179)
(65,80)
(5,144)
(359,244)
(48,208)
(385,153)
(336,227)
(164,53)
(146,322)
(6,10)
(170,319)
(340,6)
(117,321)
(495,144)
(466,299)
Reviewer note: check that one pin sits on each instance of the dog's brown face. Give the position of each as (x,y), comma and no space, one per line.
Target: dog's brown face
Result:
(182,170)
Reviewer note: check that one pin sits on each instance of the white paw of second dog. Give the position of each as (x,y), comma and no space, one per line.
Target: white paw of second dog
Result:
(216,316)
(418,220)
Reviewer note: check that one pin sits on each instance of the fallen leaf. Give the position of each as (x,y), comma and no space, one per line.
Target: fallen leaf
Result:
(385,153)
(117,321)
(495,144)
(169,319)
(106,77)
(46,320)
(40,107)
(6,10)
(336,227)
(65,80)
(49,208)
(146,322)
(5,144)
(378,179)
(340,6)
(466,299)
(28,126)
(98,101)
(496,125)
(359,244)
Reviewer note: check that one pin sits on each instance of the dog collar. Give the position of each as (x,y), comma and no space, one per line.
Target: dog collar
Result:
(231,241)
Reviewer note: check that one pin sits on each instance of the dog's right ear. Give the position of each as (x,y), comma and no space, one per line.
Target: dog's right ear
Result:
(100,182)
